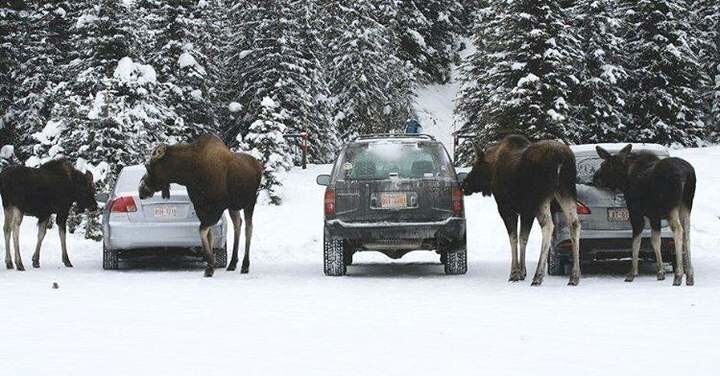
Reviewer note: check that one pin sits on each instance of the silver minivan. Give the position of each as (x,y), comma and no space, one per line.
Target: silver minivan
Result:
(604,217)
(136,227)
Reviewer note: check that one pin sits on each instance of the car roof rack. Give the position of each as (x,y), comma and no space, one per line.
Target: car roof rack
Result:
(393,135)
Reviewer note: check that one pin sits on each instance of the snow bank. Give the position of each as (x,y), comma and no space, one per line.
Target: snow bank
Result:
(129,71)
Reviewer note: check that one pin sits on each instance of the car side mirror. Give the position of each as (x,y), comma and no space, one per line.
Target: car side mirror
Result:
(461,176)
(323,180)
(102,197)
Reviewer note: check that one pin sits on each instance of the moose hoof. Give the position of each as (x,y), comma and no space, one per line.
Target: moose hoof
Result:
(209,272)
(244,270)
(36,264)
(677,281)
(231,267)
(9,265)
(574,280)
(20,267)
(67,264)
(523,274)
(661,276)
(690,280)
(537,281)
(630,277)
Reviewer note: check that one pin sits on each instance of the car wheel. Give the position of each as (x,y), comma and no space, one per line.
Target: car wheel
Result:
(110,259)
(221,257)
(456,258)
(334,257)
(556,262)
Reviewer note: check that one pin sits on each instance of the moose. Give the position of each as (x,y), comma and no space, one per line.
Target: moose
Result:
(216,179)
(527,180)
(40,192)
(657,189)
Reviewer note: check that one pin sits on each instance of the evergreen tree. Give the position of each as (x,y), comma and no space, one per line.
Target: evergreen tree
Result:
(9,53)
(521,77)
(428,35)
(372,87)
(181,51)
(600,98)
(666,76)
(707,20)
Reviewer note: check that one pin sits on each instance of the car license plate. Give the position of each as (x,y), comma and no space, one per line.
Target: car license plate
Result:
(618,215)
(165,212)
(393,200)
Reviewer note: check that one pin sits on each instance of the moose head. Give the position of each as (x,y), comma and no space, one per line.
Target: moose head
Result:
(613,172)
(157,177)
(480,177)
(84,190)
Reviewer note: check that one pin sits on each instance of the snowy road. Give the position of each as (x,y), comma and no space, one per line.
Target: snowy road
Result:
(385,318)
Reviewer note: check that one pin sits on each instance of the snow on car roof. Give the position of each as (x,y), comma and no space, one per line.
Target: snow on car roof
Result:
(615,147)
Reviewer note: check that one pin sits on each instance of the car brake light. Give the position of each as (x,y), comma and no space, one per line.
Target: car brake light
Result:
(123,205)
(582,209)
(329,201)
(457,201)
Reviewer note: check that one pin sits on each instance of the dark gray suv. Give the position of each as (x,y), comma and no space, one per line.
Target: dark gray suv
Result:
(393,194)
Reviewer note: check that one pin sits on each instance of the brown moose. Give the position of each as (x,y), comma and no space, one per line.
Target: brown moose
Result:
(216,179)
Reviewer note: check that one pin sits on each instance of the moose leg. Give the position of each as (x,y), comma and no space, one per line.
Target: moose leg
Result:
(248,212)
(62,229)
(544,217)
(685,222)
(526,223)
(8,229)
(638,222)
(17,221)
(655,240)
(676,226)
(569,207)
(207,247)
(511,221)
(237,224)
(42,229)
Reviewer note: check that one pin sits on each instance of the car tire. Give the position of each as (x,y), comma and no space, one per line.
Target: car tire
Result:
(556,262)
(334,257)
(456,257)
(221,257)
(110,259)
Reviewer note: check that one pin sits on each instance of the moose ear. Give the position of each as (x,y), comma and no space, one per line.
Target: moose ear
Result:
(89,176)
(626,150)
(604,154)
(158,153)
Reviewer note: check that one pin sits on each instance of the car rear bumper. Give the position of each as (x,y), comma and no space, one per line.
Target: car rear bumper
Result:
(610,242)
(128,236)
(449,229)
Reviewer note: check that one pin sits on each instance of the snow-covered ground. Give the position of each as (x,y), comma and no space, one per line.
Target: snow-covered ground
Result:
(386,317)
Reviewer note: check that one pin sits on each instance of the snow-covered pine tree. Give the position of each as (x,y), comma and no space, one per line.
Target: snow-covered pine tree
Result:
(9,63)
(180,35)
(274,56)
(600,98)
(521,77)
(372,88)
(707,21)
(666,77)
(429,32)
(41,49)
(267,143)
(112,114)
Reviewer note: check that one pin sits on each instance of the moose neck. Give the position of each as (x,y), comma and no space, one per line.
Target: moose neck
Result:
(180,164)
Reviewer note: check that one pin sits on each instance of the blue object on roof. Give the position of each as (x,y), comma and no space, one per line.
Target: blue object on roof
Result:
(412,126)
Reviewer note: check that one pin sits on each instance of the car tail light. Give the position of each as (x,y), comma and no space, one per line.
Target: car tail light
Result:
(582,209)
(457,201)
(329,201)
(123,205)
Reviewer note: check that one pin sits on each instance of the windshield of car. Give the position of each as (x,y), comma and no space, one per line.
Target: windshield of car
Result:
(388,159)
(129,180)
(586,168)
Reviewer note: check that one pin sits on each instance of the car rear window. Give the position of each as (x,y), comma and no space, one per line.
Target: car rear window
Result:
(586,167)
(129,180)
(386,159)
